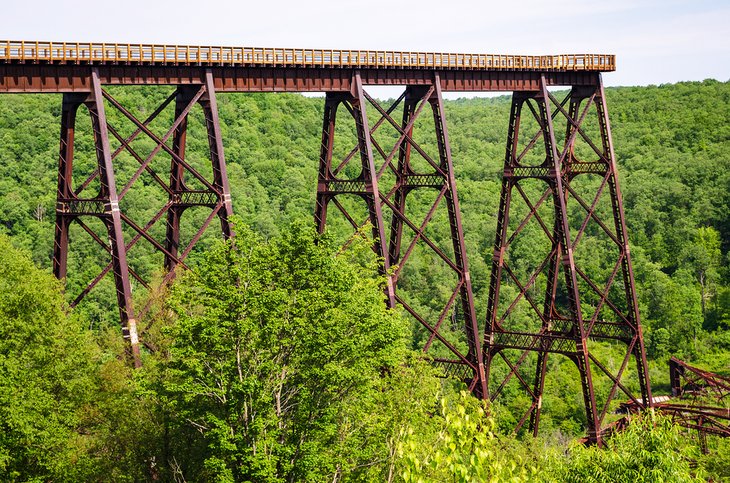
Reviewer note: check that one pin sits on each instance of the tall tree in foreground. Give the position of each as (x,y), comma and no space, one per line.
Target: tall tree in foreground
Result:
(283,364)
(46,376)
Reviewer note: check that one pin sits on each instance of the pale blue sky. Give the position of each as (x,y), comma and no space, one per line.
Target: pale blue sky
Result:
(656,41)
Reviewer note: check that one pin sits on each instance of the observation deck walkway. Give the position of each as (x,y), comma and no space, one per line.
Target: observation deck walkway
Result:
(33,66)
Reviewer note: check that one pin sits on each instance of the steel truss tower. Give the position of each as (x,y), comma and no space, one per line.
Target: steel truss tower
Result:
(385,185)
(566,197)
(106,205)
(561,280)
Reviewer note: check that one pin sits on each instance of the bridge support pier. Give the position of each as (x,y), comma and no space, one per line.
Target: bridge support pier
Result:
(563,195)
(385,186)
(107,204)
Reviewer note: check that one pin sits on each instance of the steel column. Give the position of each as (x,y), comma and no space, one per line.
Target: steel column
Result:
(466,366)
(627,270)
(325,174)
(69,109)
(112,219)
(215,141)
(569,332)
(471,326)
(105,205)
(177,180)
(413,97)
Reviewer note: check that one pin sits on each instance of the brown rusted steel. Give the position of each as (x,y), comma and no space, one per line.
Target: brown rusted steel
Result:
(570,317)
(466,365)
(72,205)
(38,78)
(698,401)
(63,67)
(689,380)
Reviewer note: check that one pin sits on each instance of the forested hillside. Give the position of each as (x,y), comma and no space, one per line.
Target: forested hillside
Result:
(673,148)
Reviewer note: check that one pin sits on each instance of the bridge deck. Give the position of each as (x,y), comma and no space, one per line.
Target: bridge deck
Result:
(30,66)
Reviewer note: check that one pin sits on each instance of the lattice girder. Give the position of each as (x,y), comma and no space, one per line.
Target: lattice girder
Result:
(385,186)
(73,205)
(576,312)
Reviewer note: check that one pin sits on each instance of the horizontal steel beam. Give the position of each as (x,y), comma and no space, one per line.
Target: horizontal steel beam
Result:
(59,78)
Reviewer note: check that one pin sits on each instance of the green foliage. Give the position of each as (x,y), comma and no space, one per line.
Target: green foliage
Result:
(463,448)
(281,360)
(46,376)
(70,409)
(651,450)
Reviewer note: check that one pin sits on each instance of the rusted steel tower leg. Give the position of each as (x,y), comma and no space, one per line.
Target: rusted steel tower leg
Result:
(406,232)
(112,217)
(177,180)
(215,140)
(326,176)
(413,96)
(218,194)
(471,327)
(576,309)
(493,326)
(370,178)
(70,106)
(563,245)
(627,271)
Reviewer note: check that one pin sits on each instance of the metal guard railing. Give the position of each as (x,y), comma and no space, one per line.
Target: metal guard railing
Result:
(70,52)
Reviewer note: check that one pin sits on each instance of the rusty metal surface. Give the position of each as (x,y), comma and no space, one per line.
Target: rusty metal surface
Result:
(576,311)
(55,78)
(385,195)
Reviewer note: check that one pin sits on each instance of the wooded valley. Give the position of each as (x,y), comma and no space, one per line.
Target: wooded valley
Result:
(275,358)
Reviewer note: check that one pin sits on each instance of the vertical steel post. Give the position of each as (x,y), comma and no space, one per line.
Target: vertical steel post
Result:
(215,140)
(177,179)
(370,178)
(493,326)
(325,175)
(627,270)
(69,109)
(403,170)
(563,240)
(471,325)
(112,218)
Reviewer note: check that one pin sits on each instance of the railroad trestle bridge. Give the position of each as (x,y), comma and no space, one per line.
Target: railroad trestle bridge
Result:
(541,191)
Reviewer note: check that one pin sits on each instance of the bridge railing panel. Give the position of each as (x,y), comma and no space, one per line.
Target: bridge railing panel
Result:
(66,52)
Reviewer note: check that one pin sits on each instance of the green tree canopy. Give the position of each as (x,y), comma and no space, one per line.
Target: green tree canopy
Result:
(284,363)
(46,375)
